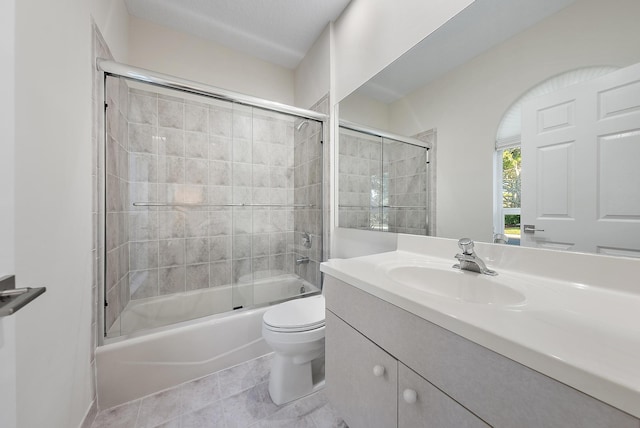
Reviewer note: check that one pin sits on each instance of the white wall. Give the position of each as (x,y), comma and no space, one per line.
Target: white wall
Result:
(363,110)
(7,130)
(348,243)
(312,77)
(371,34)
(368,36)
(112,18)
(7,254)
(165,50)
(7,373)
(53,231)
(467,104)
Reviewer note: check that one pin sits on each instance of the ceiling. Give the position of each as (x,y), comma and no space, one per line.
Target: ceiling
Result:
(277,31)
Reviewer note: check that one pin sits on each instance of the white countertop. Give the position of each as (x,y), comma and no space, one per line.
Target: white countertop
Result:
(583,335)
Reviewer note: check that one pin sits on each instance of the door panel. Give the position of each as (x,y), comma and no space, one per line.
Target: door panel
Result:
(580,151)
(555,187)
(430,407)
(361,397)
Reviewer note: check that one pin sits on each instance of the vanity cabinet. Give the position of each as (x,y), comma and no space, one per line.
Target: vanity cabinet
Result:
(361,378)
(370,388)
(420,404)
(458,383)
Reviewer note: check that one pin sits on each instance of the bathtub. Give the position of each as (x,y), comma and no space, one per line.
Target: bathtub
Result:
(148,361)
(146,314)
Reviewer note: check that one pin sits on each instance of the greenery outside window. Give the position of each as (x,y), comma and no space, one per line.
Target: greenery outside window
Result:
(511,194)
(508,194)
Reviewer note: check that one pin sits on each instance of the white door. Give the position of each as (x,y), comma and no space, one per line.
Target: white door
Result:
(581,167)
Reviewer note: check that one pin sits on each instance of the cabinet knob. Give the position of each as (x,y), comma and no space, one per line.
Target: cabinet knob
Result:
(410,396)
(378,370)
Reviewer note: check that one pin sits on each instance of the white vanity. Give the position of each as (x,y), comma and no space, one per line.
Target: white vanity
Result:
(549,342)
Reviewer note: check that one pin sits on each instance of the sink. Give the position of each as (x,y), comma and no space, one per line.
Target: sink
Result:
(464,286)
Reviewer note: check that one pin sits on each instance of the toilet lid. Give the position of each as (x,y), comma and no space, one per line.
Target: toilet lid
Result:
(296,315)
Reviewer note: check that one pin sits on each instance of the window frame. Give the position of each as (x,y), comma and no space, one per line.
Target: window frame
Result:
(499,210)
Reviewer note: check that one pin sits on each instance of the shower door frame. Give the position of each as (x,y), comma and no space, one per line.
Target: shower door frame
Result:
(429,218)
(114,69)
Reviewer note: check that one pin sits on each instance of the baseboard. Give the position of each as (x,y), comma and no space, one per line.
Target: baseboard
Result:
(90,416)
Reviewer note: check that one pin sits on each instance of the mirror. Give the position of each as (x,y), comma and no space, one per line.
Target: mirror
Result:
(382,183)
(462,81)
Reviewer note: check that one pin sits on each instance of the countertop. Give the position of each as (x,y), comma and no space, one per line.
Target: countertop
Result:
(583,335)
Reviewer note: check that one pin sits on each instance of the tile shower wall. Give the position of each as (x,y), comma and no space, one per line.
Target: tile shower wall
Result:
(185,151)
(99,50)
(360,180)
(116,216)
(308,221)
(322,106)
(376,172)
(405,185)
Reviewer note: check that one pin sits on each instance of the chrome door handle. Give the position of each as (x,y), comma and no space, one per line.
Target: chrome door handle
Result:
(531,228)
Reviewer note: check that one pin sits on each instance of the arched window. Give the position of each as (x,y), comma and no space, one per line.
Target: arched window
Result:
(508,154)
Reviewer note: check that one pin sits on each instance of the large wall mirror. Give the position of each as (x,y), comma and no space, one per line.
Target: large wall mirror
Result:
(536,108)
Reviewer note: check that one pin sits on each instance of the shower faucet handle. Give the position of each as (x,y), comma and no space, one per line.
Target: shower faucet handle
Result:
(306,240)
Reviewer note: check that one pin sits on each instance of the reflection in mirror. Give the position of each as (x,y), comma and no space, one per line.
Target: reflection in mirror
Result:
(508,219)
(360,180)
(382,183)
(462,81)
(580,150)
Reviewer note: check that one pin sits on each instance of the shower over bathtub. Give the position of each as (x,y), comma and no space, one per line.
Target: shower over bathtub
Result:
(151,313)
(212,210)
(167,350)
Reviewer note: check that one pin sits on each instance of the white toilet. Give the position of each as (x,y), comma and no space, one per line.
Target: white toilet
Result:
(295,331)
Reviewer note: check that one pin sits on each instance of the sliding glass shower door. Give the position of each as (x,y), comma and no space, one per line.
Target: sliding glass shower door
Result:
(382,183)
(210,206)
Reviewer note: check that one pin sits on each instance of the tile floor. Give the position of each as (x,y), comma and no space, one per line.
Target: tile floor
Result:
(237,397)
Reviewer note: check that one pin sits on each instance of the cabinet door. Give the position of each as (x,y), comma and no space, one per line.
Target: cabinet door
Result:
(361,378)
(421,404)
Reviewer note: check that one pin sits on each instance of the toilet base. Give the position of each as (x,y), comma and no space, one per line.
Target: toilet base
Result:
(289,381)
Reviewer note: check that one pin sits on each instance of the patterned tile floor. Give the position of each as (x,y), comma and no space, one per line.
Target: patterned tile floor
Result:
(237,397)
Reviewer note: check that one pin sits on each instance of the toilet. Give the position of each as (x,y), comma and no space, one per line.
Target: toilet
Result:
(295,332)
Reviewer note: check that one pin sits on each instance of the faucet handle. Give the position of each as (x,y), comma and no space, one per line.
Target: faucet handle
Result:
(466,245)
(306,240)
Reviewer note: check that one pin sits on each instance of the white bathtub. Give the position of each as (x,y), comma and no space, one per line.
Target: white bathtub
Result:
(146,314)
(150,361)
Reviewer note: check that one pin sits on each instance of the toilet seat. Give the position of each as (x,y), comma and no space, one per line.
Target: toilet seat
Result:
(296,315)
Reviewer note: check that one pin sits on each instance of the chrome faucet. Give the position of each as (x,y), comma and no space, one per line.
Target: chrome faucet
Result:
(469,260)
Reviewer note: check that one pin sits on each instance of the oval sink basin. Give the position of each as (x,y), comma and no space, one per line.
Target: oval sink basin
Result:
(464,286)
